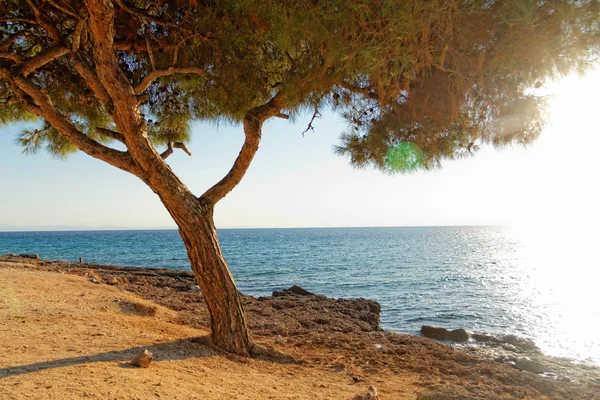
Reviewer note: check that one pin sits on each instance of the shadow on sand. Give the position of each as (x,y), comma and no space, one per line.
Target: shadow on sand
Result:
(178,350)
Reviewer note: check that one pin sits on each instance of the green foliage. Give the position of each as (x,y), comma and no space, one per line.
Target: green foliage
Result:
(48,138)
(444,76)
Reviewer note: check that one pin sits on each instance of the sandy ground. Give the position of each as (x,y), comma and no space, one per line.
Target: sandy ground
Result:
(69,330)
(64,337)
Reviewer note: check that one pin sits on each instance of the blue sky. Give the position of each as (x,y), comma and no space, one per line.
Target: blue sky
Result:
(297,181)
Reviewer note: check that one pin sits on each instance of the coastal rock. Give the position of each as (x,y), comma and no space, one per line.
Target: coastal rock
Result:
(457,335)
(292,310)
(527,364)
(143,359)
(508,342)
(520,343)
(297,290)
(30,256)
(370,395)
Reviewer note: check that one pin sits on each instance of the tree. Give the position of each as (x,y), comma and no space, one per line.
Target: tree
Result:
(419,82)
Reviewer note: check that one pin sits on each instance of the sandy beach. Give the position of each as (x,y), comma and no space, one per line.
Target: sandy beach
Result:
(70,330)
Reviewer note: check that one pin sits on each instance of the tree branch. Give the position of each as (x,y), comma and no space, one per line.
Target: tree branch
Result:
(111,134)
(310,126)
(12,56)
(253,122)
(45,109)
(66,9)
(157,73)
(18,19)
(176,145)
(48,26)
(33,63)
(88,75)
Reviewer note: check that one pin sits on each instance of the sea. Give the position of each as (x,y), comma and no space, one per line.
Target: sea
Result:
(537,282)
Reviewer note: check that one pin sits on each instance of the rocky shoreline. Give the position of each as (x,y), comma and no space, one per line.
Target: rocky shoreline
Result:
(344,334)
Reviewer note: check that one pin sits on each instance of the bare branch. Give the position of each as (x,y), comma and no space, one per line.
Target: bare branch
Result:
(282,116)
(17,19)
(176,145)
(310,126)
(12,56)
(148,79)
(253,122)
(33,63)
(150,54)
(48,26)
(111,134)
(66,8)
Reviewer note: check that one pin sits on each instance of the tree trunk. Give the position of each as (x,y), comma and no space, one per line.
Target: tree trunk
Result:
(228,326)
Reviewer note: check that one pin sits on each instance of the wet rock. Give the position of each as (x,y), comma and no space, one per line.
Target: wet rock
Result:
(483,338)
(143,359)
(520,343)
(297,290)
(457,335)
(31,256)
(527,364)
(370,395)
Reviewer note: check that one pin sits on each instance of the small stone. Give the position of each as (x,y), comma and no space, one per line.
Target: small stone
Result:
(143,359)
(112,281)
(370,395)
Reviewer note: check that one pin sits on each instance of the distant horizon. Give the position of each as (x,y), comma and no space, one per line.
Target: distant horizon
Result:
(109,229)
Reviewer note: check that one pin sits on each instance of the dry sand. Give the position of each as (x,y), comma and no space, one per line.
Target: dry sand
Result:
(64,337)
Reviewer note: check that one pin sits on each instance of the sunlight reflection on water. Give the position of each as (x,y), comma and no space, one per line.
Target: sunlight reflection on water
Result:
(559,279)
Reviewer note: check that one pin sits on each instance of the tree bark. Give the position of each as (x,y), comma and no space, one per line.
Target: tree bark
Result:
(228,326)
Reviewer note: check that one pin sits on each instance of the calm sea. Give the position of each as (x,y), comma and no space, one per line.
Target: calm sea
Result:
(537,283)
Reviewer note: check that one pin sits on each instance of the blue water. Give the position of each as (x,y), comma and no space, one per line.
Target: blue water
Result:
(537,283)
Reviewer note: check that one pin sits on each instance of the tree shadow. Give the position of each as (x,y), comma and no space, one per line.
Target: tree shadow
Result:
(178,350)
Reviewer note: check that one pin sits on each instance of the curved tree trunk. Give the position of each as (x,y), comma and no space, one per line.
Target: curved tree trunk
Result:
(194,218)
(228,326)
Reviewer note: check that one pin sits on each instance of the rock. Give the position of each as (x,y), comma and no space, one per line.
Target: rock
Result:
(112,281)
(527,364)
(483,338)
(370,395)
(297,290)
(143,359)
(520,343)
(194,288)
(457,335)
(32,256)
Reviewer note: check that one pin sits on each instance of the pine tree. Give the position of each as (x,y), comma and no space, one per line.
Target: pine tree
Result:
(418,82)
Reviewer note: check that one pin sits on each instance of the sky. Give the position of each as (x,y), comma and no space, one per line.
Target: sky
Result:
(298,181)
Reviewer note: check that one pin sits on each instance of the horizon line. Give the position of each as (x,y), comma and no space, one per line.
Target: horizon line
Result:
(108,229)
